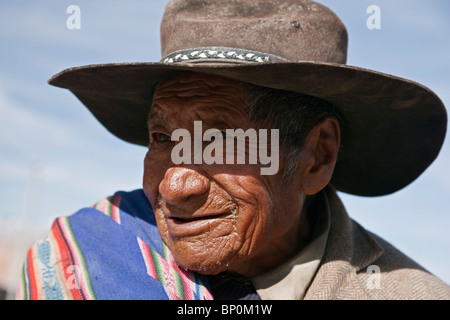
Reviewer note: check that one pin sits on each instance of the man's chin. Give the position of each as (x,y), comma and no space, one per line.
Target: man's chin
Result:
(201,262)
(209,270)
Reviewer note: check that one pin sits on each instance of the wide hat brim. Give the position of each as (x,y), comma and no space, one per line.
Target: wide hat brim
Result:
(394,128)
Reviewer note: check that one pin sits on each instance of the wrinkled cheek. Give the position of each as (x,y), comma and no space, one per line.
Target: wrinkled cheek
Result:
(162,226)
(153,174)
(209,253)
(252,237)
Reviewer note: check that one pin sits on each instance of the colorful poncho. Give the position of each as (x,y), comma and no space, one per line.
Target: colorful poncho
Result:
(112,250)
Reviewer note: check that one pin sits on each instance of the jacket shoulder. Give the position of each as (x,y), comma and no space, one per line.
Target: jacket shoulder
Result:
(360,265)
(394,275)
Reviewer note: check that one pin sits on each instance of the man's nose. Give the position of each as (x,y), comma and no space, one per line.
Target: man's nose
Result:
(181,184)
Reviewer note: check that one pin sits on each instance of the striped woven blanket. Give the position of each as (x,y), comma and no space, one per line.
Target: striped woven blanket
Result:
(109,251)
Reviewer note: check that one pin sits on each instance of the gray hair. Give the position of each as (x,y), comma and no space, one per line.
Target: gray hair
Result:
(293,114)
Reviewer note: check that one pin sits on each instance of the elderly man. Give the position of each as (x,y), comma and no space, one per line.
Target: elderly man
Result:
(252,124)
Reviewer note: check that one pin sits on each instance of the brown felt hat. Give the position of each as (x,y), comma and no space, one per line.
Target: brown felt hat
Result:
(394,127)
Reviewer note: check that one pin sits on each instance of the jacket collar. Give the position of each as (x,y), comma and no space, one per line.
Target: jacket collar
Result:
(349,249)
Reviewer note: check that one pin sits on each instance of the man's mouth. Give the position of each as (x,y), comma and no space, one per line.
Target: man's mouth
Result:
(190,219)
(191,226)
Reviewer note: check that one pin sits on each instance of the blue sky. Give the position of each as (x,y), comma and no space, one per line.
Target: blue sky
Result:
(56,158)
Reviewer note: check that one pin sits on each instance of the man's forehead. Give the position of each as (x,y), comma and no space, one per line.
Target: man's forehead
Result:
(186,84)
(212,116)
(209,95)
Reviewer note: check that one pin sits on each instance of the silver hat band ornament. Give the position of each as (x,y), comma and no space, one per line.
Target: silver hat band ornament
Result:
(220,54)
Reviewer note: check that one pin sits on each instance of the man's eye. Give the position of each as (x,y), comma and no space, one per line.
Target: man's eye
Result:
(161,137)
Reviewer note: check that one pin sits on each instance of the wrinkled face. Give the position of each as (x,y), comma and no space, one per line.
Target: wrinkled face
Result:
(216,217)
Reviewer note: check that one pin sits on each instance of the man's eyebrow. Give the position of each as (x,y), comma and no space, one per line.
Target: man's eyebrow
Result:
(218,124)
(155,119)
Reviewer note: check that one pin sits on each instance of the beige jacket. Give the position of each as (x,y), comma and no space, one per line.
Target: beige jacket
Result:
(360,265)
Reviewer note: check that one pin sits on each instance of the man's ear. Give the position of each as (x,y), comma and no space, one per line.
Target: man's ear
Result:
(319,155)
